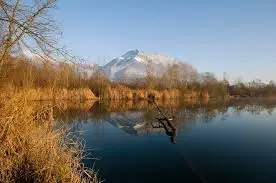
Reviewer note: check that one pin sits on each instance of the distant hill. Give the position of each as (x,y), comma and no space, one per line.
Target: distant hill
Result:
(133,64)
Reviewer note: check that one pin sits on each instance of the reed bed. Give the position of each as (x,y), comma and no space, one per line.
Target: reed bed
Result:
(119,92)
(43,94)
(33,150)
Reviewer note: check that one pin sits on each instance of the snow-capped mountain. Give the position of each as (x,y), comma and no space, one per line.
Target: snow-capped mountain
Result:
(134,63)
(129,66)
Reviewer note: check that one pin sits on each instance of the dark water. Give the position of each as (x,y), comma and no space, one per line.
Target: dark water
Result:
(232,141)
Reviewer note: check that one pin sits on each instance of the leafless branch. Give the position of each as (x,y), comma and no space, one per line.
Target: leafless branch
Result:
(30,26)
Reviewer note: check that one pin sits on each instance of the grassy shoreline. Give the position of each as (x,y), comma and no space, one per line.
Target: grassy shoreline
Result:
(116,93)
(41,94)
(32,150)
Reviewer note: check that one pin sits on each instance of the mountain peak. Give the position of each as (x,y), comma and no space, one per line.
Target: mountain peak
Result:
(134,63)
(130,54)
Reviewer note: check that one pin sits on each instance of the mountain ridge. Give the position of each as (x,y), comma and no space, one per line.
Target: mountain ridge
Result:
(133,64)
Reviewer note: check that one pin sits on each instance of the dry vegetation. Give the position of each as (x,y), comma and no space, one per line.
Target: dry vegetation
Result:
(120,92)
(32,150)
(41,94)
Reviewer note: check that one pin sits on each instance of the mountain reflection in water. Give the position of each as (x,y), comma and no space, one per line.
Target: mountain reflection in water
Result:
(136,118)
(216,141)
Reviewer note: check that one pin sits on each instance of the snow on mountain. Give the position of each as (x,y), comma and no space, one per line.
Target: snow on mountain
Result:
(133,64)
(128,121)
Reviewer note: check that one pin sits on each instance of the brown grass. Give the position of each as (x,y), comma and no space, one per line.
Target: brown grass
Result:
(31,150)
(125,93)
(40,94)
(205,95)
(117,92)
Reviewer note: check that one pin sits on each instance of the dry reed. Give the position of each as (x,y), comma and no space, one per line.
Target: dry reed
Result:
(120,92)
(32,150)
(40,94)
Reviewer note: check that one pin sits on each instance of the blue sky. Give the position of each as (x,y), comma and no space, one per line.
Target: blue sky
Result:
(237,37)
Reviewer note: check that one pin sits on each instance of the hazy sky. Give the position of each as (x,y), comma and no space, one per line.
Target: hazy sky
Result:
(237,36)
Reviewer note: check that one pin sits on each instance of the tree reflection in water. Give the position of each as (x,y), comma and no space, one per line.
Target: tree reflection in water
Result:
(138,116)
(168,127)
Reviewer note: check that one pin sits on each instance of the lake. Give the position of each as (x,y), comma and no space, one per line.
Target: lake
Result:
(215,141)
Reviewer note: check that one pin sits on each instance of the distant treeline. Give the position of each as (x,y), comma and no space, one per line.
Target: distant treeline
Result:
(21,73)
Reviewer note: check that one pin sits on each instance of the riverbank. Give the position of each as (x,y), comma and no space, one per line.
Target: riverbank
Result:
(42,94)
(32,150)
(109,93)
(120,92)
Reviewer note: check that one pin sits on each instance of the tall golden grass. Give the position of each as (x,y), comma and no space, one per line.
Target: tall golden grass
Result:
(40,94)
(116,92)
(32,150)
(205,95)
(119,92)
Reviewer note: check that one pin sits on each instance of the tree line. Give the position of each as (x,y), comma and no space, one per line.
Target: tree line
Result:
(21,72)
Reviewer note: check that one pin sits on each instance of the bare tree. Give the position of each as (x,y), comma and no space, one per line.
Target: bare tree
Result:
(28,25)
(186,73)
(172,76)
(150,75)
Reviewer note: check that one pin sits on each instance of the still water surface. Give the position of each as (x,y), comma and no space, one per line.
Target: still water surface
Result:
(230,141)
